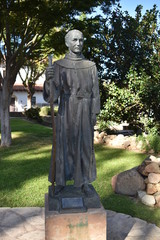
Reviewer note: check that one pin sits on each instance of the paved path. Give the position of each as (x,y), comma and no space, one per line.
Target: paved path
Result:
(28,224)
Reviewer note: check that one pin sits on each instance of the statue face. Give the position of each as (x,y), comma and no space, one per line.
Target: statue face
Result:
(75,42)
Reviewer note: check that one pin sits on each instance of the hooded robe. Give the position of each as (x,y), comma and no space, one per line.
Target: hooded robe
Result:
(76,85)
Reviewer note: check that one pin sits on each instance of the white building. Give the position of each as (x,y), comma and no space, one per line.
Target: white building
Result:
(19,99)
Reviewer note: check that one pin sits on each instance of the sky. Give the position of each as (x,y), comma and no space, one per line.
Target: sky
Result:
(130,5)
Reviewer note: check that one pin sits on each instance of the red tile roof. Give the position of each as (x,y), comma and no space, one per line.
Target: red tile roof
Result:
(17,87)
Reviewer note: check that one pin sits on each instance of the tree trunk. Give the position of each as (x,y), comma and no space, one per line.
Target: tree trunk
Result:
(0,102)
(29,101)
(5,119)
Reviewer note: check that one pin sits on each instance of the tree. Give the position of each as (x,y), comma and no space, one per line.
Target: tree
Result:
(32,72)
(133,91)
(128,40)
(23,25)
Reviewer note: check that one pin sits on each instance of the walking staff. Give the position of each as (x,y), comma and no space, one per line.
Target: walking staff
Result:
(53,126)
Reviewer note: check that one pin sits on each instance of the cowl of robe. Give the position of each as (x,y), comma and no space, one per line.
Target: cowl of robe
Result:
(76,85)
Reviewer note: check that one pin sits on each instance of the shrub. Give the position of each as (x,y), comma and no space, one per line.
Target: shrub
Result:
(45,111)
(150,142)
(33,114)
(55,110)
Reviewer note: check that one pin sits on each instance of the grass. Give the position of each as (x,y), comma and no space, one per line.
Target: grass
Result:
(24,172)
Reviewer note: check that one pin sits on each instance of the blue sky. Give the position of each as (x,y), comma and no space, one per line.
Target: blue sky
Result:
(130,5)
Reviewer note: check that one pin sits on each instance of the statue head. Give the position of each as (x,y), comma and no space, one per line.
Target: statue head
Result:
(74,41)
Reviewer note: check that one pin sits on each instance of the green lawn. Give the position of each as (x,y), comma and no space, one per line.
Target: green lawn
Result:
(24,172)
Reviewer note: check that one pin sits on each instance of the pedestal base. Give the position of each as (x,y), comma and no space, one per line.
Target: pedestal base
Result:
(90,225)
(72,199)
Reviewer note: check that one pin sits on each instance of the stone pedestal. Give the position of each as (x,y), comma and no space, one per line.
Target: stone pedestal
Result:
(89,225)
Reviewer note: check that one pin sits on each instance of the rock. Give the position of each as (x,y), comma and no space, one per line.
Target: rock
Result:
(146,181)
(98,141)
(158,161)
(120,136)
(141,194)
(151,188)
(111,137)
(153,158)
(148,200)
(154,177)
(118,141)
(158,187)
(152,168)
(128,182)
(157,205)
(141,170)
(156,194)
(133,142)
(102,134)
(108,139)
(96,134)
(147,161)
(126,144)
(157,197)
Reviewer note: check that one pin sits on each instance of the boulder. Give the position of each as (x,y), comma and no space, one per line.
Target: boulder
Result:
(146,181)
(151,188)
(126,144)
(102,134)
(118,141)
(158,161)
(157,197)
(154,178)
(158,187)
(98,140)
(148,200)
(141,170)
(152,168)
(96,134)
(128,182)
(141,194)
(153,158)
(157,205)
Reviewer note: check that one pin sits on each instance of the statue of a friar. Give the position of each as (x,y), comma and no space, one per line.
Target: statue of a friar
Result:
(75,83)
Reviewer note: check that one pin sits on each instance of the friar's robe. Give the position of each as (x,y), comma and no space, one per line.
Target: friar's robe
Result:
(76,84)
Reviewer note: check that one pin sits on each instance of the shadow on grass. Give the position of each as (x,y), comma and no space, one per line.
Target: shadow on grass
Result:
(15,172)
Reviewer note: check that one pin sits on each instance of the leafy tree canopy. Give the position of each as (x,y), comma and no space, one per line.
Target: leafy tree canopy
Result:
(25,26)
(132,68)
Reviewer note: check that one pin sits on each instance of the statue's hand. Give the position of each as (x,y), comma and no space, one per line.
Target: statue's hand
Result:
(49,73)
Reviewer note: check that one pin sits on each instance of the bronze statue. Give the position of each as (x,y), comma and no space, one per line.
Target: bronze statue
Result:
(75,83)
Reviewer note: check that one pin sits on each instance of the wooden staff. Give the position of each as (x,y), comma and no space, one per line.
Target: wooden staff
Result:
(53,126)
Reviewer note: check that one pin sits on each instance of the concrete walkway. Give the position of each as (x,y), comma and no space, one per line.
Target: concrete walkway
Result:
(28,224)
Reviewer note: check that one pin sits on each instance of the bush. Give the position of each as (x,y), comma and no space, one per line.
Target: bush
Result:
(150,126)
(33,114)
(150,142)
(45,111)
(108,127)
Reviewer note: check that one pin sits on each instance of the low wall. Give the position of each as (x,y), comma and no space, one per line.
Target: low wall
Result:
(16,114)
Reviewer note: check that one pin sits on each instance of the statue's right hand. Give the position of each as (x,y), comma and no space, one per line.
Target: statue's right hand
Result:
(49,73)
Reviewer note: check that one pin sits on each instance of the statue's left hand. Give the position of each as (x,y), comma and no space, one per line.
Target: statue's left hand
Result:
(50,73)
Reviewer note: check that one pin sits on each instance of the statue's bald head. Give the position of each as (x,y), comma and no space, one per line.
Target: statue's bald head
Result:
(74,41)
(71,33)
